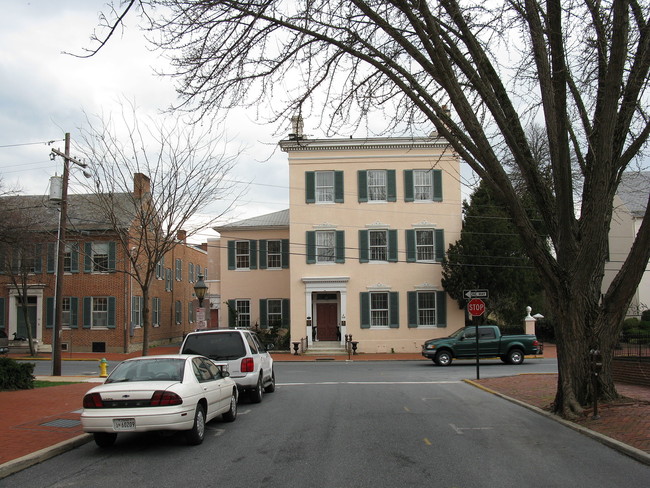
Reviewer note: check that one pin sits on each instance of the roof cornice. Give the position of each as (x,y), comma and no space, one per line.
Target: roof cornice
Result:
(292,145)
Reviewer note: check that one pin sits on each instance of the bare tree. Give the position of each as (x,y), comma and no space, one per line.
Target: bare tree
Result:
(150,182)
(580,69)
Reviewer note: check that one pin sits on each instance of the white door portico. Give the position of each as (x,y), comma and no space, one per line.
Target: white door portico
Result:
(325,284)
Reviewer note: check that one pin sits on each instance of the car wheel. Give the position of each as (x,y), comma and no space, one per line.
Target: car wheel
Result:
(231,414)
(257,394)
(270,388)
(197,432)
(104,439)
(443,358)
(515,356)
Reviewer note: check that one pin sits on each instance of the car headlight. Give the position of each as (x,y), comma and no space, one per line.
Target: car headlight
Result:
(429,346)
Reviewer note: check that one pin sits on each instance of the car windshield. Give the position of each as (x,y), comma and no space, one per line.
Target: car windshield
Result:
(222,345)
(158,369)
(457,334)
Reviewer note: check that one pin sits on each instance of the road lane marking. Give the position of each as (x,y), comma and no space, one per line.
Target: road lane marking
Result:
(459,430)
(427,442)
(372,383)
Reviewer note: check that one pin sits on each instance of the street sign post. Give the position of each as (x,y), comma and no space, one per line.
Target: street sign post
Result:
(476,307)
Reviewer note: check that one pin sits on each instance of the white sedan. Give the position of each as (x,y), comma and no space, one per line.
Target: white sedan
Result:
(171,392)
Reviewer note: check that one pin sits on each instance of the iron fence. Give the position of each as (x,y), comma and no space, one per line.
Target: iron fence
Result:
(633,345)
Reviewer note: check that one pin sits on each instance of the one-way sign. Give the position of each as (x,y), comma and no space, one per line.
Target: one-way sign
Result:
(469,294)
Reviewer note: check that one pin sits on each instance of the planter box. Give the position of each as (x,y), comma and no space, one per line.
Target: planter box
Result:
(635,371)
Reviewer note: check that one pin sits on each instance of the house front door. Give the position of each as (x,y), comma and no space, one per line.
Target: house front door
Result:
(21,326)
(326,317)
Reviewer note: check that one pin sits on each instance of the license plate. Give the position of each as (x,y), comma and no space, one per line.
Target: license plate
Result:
(123,424)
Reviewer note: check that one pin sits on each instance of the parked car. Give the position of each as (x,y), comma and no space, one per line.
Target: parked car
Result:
(249,362)
(4,342)
(461,344)
(151,393)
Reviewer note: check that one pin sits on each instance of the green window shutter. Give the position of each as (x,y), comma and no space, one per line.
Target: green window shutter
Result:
(392,246)
(437,185)
(51,257)
(363,246)
(441,309)
(411,255)
(340,246)
(362,185)
(111,313)
(412,298)
(231,254)
(38,258)
(88,258)
(264,320)
(252,254)
(49,312)
(87,310)
(310,187)
(338,187)
(74,312)
(365,310)
(311,247)
(2,313)
(111,256)
(439,239)
(285,253)
(263,251)
(408,185)
(232,318)
(391,185)
(74,257)
(393,300)
(286,313)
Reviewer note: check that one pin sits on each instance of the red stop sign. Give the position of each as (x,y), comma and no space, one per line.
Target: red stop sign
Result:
(476,307)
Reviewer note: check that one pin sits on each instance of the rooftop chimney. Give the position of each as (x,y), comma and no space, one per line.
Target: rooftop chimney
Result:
(297,126)
(141,185)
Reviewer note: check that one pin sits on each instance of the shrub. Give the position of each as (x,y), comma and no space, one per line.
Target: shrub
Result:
(645,315)
(15,375)
(631,323)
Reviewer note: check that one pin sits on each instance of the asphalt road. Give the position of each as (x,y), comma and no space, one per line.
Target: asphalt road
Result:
(360,424)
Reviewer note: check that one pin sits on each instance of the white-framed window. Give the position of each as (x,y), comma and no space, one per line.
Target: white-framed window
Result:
(136,311)
(324,185)
(100,256)
(379,309)
(424,245)
(243,308)
(190,312)
(99,315)
(178,312)
(67,258)
(426,308)
(242,255)
(160,269)
(274,254)
(65,312)
(155,311)
(377,186)
(274,312)
(378,245)
(325,246)
(423,185)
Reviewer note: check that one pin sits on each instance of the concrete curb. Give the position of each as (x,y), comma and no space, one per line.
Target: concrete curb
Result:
(29,460)
(633,452)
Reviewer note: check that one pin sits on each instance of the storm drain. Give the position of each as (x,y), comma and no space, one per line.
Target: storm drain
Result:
(62,423)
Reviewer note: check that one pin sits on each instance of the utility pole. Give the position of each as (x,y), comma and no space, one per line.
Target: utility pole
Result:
(58,288)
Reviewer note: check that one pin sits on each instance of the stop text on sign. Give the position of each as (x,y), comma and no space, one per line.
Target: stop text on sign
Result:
(476,307)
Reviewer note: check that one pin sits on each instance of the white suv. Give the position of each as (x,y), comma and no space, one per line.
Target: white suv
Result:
(249,362)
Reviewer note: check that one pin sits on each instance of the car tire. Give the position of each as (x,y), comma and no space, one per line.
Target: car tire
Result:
(195,435)
(270,388)
(258,392)
(231,414)
(104,439)
(515,356)
(443,358)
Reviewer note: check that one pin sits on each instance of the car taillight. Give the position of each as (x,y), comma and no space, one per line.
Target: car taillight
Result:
(247,365)
(165,398)
(93,400)
(536,343)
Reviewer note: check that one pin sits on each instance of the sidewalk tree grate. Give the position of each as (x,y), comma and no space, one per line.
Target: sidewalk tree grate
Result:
(62,423)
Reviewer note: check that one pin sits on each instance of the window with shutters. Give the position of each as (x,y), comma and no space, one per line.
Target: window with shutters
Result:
(426,308)
(422,185)
(100,256)
(66,312)
(99,315)
(242,255)
(324,186)
(136,311)
(179,270)
(377,186)
(325,246)
(379,311)
(424,245)
(378,242)
(274,256)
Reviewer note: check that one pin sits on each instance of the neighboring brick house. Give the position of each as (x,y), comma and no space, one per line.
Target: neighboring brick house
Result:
(361,252)
(102,305)
(629,211)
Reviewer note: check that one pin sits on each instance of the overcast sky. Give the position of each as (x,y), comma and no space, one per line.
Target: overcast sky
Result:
(44,94)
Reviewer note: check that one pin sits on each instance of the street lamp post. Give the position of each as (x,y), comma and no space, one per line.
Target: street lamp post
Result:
(200,290)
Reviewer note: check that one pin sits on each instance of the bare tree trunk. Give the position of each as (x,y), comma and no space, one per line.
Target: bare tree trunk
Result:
(145,320)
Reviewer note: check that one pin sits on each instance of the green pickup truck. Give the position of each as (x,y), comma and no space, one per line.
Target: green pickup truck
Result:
(511,349)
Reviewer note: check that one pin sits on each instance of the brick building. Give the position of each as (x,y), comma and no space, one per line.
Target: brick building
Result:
(102,304)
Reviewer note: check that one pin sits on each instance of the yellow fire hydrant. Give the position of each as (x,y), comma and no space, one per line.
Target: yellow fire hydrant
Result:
(103,364)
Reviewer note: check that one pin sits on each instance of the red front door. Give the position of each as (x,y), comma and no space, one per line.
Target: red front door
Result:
(326,321)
